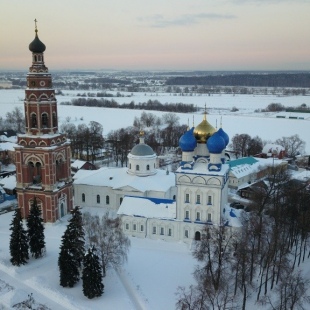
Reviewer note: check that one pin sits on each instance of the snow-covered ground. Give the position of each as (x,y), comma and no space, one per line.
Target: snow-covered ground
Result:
(265,125)
(148,280)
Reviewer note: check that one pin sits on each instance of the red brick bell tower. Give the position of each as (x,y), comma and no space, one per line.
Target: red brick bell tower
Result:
(43,154)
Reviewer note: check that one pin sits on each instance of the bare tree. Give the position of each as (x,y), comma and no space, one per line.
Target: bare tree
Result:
(15,119)
(240,144)
(107,236)
(293,145)
(171,119)
(291,293)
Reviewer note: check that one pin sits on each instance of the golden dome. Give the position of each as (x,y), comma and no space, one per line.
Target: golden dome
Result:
(204,130)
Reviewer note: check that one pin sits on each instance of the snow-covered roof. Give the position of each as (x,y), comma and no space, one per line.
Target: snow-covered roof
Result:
(303,176)
(148,207)
(247,165)
(7,146)
(118,177)
(232,216)
(78,164)
(271,148)
(8,182)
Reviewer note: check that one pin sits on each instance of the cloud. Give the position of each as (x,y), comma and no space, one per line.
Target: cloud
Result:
(159,21)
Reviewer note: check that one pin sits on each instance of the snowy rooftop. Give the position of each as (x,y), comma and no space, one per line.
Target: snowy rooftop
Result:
(148,207)
(78,164)
(7,146)
(247,165)
(8,182)
(118,178)
(272,148)
(232,216)
(301,175)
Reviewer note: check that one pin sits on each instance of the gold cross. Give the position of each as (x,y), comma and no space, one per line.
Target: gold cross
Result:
(35,22)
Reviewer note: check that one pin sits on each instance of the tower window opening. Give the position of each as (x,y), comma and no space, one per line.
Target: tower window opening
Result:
(107,200)
(33,120)
(147,167)
(83,197)
(98,198)
(137,168)
(54,120)
(44,120)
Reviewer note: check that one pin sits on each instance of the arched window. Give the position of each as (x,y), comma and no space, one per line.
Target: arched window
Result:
(107,200)
(98,198)
(31,171)
(137,167)
(33,120)
(83,197)
(54,120)
(44,120)
(197,236)
(37,175)
(35,57)
(147,167)
(186,234)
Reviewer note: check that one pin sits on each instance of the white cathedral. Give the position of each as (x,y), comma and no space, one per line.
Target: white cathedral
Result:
(160,205)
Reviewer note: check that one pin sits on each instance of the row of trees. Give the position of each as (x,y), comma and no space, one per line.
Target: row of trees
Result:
(258,259)
(245,79)
(107,246)
(244,145)
(21,240)
(87,141)
(149,105)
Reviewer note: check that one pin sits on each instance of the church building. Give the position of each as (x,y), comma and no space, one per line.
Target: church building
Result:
(43,154)
(202,192)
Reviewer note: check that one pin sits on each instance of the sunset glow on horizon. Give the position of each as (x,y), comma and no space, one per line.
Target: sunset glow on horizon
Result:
(158,35)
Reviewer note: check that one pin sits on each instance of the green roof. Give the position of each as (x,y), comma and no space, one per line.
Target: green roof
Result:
(242,161)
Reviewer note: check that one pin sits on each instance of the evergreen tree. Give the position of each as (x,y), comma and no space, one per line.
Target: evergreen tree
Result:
(19,241)
(35,230)
(92,275)
(72,250)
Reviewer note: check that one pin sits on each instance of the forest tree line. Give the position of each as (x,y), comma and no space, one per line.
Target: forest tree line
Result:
(154,105)
(256,80)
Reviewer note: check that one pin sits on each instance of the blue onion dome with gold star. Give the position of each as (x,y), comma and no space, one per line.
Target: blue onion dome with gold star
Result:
(224,135)
(216,143)
(188,141)
(37,46)
(204,130)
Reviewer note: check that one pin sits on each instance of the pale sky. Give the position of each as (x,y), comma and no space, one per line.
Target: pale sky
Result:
(158,34)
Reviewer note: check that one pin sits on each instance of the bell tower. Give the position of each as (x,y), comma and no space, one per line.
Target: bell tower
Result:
(43,154)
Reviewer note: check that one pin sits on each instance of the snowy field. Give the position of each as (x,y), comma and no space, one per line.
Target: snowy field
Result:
(265,125)
(148,280)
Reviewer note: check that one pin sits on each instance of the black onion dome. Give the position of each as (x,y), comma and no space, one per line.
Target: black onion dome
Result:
(36,46)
